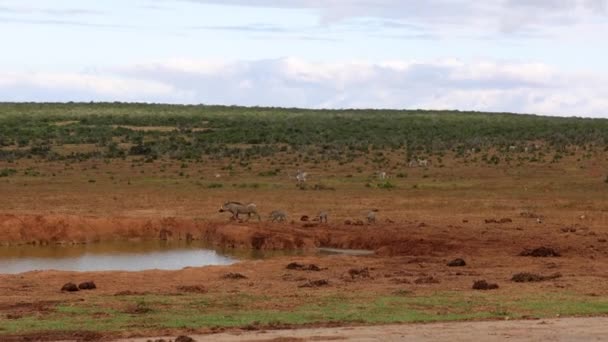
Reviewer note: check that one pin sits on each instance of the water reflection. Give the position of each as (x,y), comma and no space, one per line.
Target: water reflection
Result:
(133,256)
(122,256)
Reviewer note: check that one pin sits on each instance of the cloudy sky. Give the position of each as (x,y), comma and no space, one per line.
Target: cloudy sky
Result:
(527,56)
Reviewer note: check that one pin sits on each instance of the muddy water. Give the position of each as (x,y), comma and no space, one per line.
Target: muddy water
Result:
(133,256)
(123,256)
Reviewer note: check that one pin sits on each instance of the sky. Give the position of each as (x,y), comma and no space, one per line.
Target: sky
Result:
(546,57)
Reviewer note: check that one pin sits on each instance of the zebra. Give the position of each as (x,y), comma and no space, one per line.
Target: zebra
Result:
(322,217)
(237,208)
(371,216)
(301,176)
(278,215)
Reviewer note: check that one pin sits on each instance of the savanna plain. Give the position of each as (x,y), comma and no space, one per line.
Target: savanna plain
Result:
(522,200)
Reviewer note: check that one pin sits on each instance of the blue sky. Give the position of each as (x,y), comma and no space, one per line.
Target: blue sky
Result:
(530,56)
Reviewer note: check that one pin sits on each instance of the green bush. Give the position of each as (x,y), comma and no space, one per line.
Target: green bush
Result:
(7,172)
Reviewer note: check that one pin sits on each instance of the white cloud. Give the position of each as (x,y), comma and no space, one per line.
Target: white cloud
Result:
(497,15)
(291,82)
(68,86)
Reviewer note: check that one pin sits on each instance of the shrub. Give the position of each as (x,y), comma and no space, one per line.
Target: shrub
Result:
(386,185)
(7,172)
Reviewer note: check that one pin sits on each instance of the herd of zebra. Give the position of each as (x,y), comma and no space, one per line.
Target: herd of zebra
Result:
(250,209)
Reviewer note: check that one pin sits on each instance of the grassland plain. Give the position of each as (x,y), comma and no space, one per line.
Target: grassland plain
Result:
(74,173)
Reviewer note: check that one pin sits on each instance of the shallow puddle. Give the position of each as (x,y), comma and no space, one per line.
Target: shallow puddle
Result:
(123,256)
(134,256)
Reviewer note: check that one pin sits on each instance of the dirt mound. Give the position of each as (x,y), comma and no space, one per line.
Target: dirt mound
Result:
(457,263)
(69,287)
(233,276)
(484,285)
(540,252)
(302,267)
(525,277)
(192,289)
(315,283)
(359,273)
(87,285)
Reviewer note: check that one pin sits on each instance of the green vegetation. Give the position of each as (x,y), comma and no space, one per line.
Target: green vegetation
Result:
(155,312)
(116,130)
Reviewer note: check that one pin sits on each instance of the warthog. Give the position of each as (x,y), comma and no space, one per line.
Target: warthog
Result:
(237,208)
(278,215)
(371,216)
(322,217)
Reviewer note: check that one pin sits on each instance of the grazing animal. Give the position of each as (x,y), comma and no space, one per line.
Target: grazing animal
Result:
(382,175)
(278,215)
(371,216)
(412,163)
(301,176)
(423,163)
(322,217)
(237,208)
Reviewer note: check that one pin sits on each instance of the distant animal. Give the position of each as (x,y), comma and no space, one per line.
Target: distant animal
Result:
(423,162)
(382,175)
(237,208)
(301,176)
(217,175)
(371,216)
(278,215)
(412,163)
(512,148)
(322,217)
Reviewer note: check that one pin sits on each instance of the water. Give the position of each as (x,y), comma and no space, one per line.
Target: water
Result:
(134,256)
(121,256)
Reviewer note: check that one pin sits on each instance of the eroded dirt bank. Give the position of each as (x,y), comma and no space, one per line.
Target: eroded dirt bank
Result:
(404,238)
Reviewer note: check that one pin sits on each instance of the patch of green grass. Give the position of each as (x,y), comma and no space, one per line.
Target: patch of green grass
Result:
(109,314)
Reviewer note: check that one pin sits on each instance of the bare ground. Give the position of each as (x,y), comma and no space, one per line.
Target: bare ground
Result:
(563,329)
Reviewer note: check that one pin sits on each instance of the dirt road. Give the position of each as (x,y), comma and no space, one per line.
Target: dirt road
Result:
(566,329)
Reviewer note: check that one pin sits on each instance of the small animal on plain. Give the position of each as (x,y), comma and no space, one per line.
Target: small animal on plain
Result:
(236,208)
(382,175)
(301,176)
(322,217)
(423,162)
(278,216)
(371,216)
